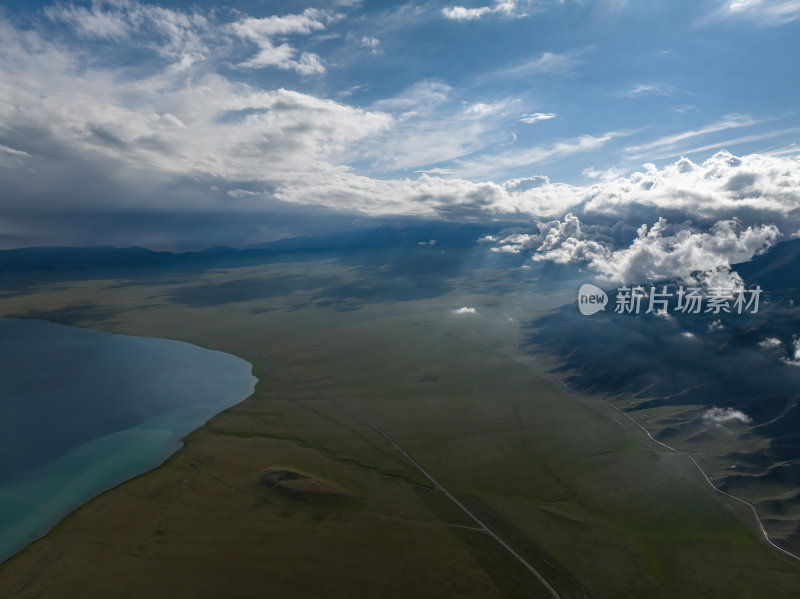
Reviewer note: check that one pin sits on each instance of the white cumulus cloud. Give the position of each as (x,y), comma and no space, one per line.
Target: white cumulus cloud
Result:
(722,416)
(501,7)
(769,342)
(684,221)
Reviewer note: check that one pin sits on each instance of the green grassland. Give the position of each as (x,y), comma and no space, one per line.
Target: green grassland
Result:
(285,495)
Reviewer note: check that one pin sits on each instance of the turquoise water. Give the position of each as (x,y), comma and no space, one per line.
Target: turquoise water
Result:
(82,411)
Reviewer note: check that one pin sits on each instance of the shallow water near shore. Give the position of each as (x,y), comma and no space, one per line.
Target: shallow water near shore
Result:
(82,411)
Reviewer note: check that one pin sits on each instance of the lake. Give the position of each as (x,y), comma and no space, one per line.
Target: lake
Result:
(82,411)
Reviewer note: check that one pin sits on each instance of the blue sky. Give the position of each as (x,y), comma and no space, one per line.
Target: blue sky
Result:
(283,113)
(641,71)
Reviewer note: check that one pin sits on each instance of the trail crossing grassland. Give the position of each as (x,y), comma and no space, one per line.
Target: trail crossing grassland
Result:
(416,465)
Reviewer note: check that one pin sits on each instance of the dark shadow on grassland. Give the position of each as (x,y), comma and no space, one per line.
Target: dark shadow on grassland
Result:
(378,266)
(399,263)
(385,274)
(23,270)
(377,286)
(414,272)
(425,273)
(71,314)
(243,290)
(398,278)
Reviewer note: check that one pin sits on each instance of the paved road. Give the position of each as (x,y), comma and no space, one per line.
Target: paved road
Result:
(416,465)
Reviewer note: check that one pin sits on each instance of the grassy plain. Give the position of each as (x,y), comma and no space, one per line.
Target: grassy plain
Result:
(568,481)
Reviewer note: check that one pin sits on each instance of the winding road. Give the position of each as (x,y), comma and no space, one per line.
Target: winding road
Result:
(764,535)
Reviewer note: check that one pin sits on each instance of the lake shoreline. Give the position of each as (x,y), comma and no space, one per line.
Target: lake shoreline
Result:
(44,492)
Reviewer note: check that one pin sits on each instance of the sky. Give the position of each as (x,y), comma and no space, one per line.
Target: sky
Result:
(619,132)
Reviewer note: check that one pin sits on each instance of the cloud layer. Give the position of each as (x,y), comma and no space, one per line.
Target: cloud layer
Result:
(116,106)
(685,221)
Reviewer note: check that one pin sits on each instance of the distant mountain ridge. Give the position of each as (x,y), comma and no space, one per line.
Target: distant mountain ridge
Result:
(373,239)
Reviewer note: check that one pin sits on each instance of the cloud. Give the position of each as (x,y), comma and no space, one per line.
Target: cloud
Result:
(96,132)
(264,32)
(769,342)
(661,252)
(11,158)
(183,118)
(256,29)
(99,21)
(685,221)
(609,174)
(459,13)
(673,151)
(721,416)
(187,130)
(525,183)
(537,116)
(426,196)
(508,8)
(116,141)
(503,162)
(512,244)
(465,310)
(670,142)
(481,109)
(422,95)
(186,121)
(645,89)
(753,187)
(546,63)
(190,36)
(171,33)
(763,12)
(366,41)
(370,42)
(794,360)
(433,127)
(12,152)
